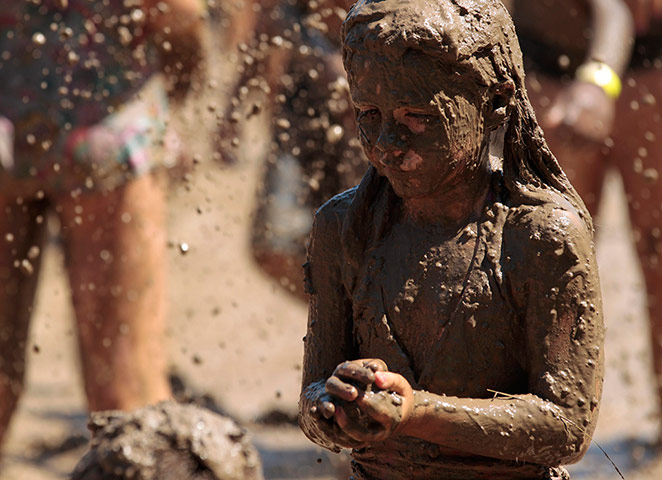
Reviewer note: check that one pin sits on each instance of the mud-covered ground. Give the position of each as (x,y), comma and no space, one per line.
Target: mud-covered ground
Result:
(235,334)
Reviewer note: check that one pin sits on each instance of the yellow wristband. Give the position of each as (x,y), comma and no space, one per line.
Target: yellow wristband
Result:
(602,75)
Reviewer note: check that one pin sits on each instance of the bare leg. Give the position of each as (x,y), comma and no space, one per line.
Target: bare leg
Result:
(638,154)
(115,250)
(21,239)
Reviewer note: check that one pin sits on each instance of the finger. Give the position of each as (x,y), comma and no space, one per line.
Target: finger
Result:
(382,407)
(327,409)
(355,372)
(392,382)
(340,389)
(376,365)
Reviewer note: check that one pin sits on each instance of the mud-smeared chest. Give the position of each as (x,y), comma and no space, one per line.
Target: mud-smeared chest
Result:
(437,314)
(421,284)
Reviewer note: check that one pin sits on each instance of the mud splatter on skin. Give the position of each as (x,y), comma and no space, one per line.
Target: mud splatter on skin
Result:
(471,273)
(167,441)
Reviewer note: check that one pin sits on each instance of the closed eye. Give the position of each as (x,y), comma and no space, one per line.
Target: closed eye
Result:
(416,119)
(420,116)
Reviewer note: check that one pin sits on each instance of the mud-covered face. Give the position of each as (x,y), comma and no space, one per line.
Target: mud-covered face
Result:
(419,121)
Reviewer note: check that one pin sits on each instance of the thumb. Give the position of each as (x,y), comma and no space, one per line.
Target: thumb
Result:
(392,382)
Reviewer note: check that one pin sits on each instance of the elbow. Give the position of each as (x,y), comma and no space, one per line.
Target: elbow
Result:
(575,448)
(576,439)
(562,449)
(565,438)
(579,431)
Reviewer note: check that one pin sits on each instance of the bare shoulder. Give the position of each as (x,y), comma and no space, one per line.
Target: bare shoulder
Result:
(552,231)
(325,245)
(330,216)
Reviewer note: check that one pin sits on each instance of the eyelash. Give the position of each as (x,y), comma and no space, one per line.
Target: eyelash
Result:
(421,117)
(373,111)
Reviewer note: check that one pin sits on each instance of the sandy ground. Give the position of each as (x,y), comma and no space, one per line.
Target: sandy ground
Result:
(235,334)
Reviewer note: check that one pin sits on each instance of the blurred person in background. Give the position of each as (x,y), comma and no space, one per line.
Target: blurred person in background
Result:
(594,76)
(84,95)
(292,57)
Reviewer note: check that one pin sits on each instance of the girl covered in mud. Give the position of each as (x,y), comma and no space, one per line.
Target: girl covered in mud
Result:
(455,325)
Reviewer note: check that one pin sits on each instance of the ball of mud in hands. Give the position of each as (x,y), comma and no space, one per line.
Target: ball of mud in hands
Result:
(371,412)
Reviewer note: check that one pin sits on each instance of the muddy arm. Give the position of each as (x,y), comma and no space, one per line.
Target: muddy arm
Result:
(328,340)
(556,292)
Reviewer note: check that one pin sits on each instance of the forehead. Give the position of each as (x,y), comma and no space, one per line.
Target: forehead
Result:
(414,76)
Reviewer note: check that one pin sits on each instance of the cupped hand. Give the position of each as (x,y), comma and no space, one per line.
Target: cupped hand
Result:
(318,418)
(583,109)
(384,412)
(369,403)
(352,377)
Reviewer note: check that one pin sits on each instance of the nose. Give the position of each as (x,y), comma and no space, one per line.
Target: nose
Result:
(391,143)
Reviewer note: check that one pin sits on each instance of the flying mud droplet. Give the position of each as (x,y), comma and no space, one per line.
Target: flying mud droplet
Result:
(33,252)
(334,134)
(26,267)
(651,175)
(283,123)
(39,39)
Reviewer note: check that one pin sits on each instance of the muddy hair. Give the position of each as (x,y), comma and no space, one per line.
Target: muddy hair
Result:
(479,38)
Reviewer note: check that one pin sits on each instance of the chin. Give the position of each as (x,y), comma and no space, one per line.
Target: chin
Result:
(407,190)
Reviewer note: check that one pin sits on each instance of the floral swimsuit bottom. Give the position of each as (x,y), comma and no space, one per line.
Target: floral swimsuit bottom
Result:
(81,102)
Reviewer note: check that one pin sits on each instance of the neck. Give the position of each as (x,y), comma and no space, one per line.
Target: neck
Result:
(453,207)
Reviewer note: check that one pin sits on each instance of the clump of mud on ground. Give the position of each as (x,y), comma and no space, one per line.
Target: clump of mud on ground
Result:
(167,441)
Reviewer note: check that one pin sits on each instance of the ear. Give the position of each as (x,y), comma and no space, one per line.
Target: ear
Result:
(502,98)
